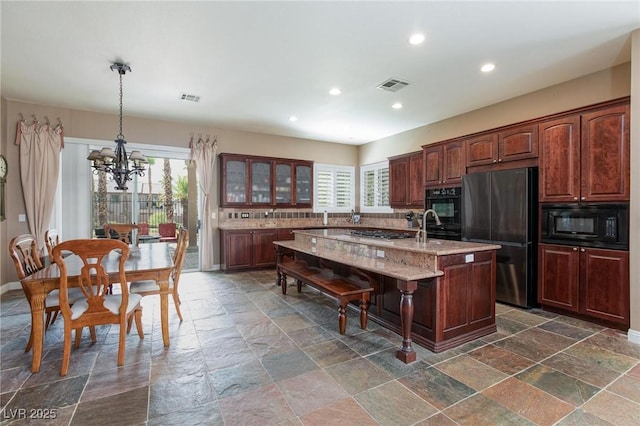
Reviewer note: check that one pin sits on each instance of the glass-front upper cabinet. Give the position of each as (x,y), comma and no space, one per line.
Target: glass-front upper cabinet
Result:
(304,185)
(283,183)
(235,182)
(260,182)
(252,181)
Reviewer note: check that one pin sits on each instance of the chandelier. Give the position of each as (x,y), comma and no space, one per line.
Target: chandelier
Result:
(116,163)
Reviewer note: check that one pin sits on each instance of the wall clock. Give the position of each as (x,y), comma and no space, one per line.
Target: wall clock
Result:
(3,180)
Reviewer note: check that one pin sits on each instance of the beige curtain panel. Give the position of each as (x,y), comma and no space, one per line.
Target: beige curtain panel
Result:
(40,147)
(203,152)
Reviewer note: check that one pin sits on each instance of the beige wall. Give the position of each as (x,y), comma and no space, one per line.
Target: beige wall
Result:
(601,86)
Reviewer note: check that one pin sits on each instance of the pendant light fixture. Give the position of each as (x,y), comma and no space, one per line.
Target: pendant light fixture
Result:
(116,163)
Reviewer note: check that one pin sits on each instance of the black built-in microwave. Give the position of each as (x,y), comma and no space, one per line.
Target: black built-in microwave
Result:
(595,225)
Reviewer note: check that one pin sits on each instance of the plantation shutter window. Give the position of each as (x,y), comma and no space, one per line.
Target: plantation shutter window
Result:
(374,188)
(334,190)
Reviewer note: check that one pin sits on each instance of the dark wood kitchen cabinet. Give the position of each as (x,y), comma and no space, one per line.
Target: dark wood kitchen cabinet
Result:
(454,306)
(293,183)
(605,151)
(406,181)
(511,144)
(588,281)
(252,181)
(444,164)
(247,249)
(585,156)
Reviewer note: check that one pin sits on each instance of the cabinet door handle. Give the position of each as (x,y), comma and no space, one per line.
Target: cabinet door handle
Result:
(575,249)
(495,161)
(575,198)
(500,160)
(582,250)
(583,198)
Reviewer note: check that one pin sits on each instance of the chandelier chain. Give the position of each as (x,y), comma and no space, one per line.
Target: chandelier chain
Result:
(120,135)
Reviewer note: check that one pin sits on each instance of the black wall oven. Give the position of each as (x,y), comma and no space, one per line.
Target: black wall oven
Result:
(595,225)
(446,202)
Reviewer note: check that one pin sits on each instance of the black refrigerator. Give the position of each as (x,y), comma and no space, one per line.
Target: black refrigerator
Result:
(501,207)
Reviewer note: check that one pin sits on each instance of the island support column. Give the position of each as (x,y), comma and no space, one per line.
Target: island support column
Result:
(406,354)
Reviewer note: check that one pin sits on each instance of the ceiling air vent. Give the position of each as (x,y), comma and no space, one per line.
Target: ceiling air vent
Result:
(393,85)
(190,98)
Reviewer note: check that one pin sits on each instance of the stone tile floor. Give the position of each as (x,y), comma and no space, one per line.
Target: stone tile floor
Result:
(246,355)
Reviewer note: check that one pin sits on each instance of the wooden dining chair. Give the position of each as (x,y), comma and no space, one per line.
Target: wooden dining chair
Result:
(124,232)
(150,287)
(51,239)
(98,307)
(27,260)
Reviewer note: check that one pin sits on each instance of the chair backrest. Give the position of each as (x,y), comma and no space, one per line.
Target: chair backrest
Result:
(167,229)
(181,250)
(93,278)
(124,232)
(143,228)
(51,239)
(25,255)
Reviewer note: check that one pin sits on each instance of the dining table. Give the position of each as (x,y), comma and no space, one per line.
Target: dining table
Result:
(146,262)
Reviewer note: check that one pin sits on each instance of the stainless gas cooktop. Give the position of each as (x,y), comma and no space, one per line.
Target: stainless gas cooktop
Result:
(383,235)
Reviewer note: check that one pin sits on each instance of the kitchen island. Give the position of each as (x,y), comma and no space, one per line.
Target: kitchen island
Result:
(439,293)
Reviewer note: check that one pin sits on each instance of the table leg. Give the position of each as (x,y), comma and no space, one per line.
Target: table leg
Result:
(406,354)
(36,301)
(164,310)
(279,256)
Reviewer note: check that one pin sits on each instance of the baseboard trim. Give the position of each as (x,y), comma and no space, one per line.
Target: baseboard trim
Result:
(12,285)
(633,336)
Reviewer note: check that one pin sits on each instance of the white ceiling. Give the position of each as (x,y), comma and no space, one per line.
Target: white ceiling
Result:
(254,64)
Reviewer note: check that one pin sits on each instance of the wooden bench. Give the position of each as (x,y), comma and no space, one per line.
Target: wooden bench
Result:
(356,286)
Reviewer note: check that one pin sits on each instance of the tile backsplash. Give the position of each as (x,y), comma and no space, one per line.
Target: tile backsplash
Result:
(270,218)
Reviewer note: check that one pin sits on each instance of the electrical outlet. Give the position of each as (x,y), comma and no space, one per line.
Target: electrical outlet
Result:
(380,253)
(244,215)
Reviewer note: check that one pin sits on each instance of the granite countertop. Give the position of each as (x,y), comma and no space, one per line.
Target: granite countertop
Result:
(380,266)
(432,246)
(269,224)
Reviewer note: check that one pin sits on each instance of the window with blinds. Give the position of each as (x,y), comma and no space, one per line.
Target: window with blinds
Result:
(334,189)
(374,188)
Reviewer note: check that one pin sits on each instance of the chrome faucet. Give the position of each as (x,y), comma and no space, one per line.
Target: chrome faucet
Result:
(421,236)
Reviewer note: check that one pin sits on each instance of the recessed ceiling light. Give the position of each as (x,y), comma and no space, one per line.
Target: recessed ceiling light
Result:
(416,39)
(293,118)
(335,91)
(487,67)
(397,105)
